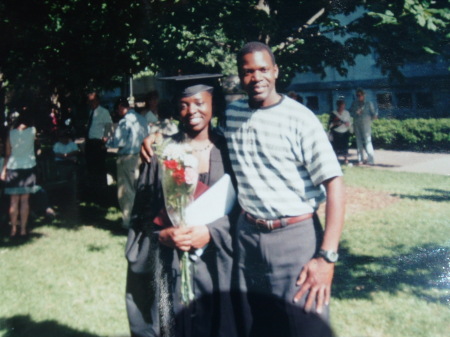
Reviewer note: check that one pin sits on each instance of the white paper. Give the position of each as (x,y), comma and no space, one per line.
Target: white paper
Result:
(213,204)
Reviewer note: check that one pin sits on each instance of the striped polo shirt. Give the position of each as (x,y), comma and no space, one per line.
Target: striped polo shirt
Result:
(280,155)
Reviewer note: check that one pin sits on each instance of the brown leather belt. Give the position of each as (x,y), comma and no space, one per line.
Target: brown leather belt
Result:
(277,223)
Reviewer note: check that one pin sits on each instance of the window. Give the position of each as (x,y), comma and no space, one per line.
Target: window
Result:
(404,100)
(424,100)
(312,102)
(384,101)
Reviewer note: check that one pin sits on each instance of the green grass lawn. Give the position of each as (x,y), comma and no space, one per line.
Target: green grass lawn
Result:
(393,278)
(68,278)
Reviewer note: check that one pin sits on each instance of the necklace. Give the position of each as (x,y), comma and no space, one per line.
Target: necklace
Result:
(202,149)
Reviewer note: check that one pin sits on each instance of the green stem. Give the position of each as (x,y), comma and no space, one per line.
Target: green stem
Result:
(187,294)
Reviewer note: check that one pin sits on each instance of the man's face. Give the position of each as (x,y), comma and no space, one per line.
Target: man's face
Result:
(360,96)
(121,110)
(92,101)
(196,111)
(258,76)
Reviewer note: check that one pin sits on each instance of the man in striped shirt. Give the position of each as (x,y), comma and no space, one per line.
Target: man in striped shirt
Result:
(283,162)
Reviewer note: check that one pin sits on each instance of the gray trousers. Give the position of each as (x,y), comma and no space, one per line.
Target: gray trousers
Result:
(269,263)
(363,134)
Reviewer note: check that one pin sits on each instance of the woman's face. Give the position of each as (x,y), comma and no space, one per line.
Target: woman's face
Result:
(196,111)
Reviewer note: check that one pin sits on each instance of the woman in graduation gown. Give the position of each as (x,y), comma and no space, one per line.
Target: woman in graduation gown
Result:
(153,296)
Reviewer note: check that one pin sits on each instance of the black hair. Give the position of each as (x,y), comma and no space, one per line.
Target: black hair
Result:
(123,102)
(25,117)
(340,100)
(252,47)
(94,95)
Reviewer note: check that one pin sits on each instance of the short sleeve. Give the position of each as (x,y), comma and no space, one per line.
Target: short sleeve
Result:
(318,156)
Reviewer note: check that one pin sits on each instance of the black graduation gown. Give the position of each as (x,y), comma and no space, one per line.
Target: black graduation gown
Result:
(153,279)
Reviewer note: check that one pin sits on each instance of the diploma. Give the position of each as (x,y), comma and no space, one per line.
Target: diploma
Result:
(213,204)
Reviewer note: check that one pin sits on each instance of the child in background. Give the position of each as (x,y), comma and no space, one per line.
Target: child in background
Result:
(65,149)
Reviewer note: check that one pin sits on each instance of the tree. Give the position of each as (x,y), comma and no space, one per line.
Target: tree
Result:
(64,47)
(405,31)
(69,45)
(306,35)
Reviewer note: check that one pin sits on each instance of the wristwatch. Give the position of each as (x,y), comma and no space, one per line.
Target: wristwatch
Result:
(328,255)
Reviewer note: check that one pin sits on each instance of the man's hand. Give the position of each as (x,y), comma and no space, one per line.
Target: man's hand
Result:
(176,237)
(146,148)
(200,236)
(316,277)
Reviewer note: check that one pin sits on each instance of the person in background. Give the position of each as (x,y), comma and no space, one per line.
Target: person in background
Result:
(2,152)
(166,125)
(65,150)
(150,111)
(55,120)
(66,153)
(19,171)
(95,151)
(363,113)
(295,96)
(128,136)
(340,125)
(3,209)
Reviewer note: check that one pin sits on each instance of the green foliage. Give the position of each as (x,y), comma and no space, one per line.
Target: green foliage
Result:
(412,134)
(65,47)
(415,134)
(404,31)
(324,119)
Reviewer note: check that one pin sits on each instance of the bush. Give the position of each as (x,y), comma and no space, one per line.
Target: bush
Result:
(416,134)
(412,134)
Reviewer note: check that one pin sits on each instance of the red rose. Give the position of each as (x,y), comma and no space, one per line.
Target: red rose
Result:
(171,164)
(178,176)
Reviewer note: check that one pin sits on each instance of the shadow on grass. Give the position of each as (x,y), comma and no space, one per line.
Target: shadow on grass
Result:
(6,241)
(438,195)
(71,214)
(87,211)
(24,326)
(423,268)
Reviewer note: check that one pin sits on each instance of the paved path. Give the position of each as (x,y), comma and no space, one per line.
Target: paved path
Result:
(404,161)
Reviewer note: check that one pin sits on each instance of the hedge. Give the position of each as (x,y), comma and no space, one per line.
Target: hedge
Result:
(415,134)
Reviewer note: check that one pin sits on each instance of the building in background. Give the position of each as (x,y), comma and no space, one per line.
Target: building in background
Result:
(424,91)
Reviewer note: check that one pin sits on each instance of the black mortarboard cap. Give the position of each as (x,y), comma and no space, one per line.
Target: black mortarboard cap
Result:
(189,85)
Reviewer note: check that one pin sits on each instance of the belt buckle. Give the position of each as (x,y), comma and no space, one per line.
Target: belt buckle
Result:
(264,224)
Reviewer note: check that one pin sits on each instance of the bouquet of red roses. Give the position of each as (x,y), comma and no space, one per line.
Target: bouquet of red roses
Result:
(179,180)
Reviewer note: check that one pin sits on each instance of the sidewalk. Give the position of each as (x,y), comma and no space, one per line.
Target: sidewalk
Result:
(404,161)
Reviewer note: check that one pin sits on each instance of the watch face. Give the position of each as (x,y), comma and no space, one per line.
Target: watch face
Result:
(332,256)
(329,255)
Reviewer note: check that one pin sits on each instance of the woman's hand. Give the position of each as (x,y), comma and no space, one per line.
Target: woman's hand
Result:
(200,236)
(176,237)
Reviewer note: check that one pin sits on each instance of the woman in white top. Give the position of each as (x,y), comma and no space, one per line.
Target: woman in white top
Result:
(19,171)
(340,125)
